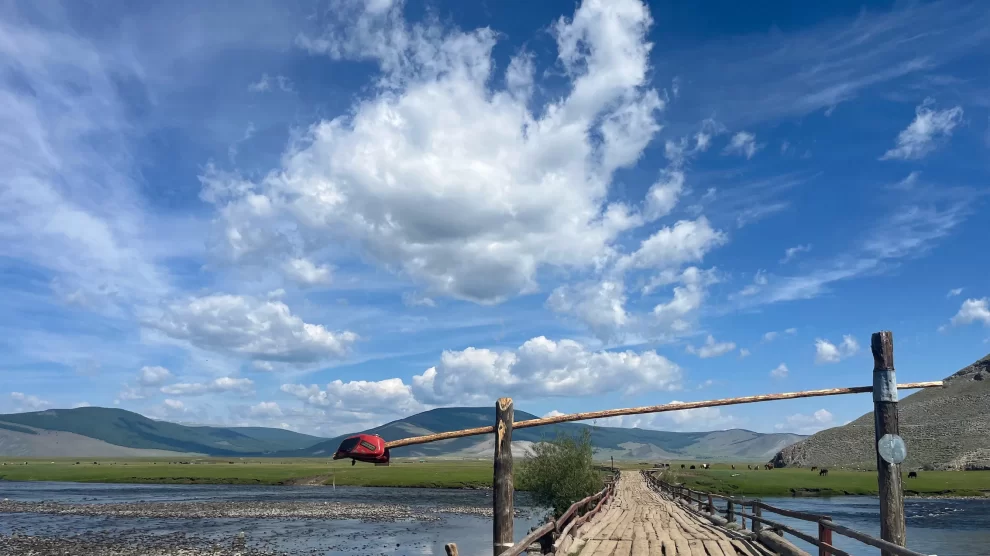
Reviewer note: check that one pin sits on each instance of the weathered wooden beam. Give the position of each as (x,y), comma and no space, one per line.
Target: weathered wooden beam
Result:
(502,482)
(866,539)
(887,430)
(451,549)
(587,415)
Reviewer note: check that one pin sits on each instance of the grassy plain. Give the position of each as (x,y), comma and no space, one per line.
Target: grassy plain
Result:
(721,478)
(402,472)
(444,473)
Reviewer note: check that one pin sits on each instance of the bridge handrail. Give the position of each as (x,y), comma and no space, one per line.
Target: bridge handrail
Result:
(825,524)
(568,521)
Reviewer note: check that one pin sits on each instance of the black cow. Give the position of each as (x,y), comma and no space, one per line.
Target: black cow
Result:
(682,466)
(692,467)
(814,468)
(913,475)
(823,473)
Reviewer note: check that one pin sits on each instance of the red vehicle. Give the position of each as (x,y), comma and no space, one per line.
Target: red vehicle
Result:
(369,448)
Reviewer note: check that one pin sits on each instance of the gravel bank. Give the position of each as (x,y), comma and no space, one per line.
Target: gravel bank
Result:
(105,545)
(273,509)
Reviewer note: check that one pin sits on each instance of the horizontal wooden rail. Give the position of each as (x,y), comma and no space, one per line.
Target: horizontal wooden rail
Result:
(866,539)
(651,409)
(823,521)
(521,546)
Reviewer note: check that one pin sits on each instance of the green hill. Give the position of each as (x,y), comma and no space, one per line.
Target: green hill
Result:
(623,443)
(125,428)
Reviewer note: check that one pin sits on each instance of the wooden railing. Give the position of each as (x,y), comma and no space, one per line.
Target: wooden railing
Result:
(559,533)
(707,502)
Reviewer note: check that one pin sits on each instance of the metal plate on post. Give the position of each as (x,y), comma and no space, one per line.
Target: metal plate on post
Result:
(892,449)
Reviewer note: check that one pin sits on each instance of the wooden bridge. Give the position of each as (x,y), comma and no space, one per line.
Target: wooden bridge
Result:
(640,522)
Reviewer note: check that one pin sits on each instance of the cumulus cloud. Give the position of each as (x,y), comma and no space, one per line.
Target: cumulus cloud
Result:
(242,386)
(444,176)
(676,314)
(743,143)
(973,310)
(265,409)
(800,423)
(554,413)
(781,371)
(686,241)
(542,367)
(773,334)
(154,376)
(664,194)
(28,402)
(601,305)
(711,348)
(954,292)
(929,129)
(306,272)
(743,353)
(264,330)
(391,396)
(827,352)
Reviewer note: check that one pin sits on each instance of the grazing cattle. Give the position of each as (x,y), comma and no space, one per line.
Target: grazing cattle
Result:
(823,473)
(733,467)
(682,466)
(768,466)
(913,475)
(814,468)
(705,466)
(692,467)
(749,467)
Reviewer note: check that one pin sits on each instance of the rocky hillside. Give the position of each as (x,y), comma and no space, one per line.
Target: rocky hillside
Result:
(944,428)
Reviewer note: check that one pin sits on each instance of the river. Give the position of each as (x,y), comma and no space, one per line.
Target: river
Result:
(404,520)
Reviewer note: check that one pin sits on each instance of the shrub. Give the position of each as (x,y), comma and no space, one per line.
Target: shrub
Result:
(560,472)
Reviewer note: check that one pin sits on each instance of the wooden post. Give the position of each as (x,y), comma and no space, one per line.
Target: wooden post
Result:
(730,512)
(758,512)
(451,549)
(887,427)
(711,505)
(502,534)
(699,502)
(825,536)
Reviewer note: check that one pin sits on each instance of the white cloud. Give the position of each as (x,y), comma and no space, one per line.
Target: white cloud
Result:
(781,371)
(154,376)
(791,331)
(954,292)
(266,83)
(743,353)
(448,179)
(265,409)
(259,329)
(807,424)
(554,413)
(223,384)
(174,405)
(81,404)
(688,297)
(973,310)
(827,352)
(306,272)
(743,143)
(759,280)
(792,252)
(601,305)
(929,129)
(28,402)
(542,367)
(664,194)
(770,336)
(712,348)
(390,396)
(417,300)
(671,246)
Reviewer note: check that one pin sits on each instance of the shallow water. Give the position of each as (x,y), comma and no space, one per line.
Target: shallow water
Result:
(472,533)
(946,527)
(942,526)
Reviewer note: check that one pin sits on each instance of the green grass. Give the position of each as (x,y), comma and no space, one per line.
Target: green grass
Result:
(402,472)
(804,482)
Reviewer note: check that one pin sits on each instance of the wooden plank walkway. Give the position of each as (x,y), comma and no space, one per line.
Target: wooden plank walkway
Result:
(639,522)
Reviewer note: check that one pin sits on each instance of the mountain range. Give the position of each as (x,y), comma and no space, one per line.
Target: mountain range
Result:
(943,428)
(97,431)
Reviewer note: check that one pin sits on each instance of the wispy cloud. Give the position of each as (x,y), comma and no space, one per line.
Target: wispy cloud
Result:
(954,292)
(923,135)
(792,252)
(711,348)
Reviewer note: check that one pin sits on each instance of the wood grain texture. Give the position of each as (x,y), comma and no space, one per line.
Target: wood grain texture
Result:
(502,488)
(886,421)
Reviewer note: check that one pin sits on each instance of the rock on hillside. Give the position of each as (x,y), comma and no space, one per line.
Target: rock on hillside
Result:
(944,428)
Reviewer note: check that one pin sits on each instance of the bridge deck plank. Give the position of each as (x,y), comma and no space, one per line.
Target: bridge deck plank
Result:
(641,522)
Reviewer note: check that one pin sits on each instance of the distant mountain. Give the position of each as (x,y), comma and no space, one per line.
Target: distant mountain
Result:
(95,431)
(131,430)
(621,443)
(943,428)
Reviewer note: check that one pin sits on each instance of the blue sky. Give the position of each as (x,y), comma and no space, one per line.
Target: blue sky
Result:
(328,215)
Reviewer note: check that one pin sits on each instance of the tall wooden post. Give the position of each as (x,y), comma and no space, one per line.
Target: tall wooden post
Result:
(889,445)
(730,512)
(758,512)
(502,483)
